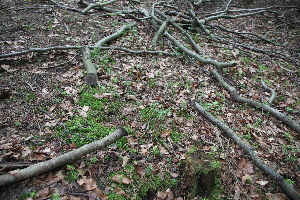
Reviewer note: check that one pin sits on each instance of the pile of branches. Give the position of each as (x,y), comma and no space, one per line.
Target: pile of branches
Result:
(176,23)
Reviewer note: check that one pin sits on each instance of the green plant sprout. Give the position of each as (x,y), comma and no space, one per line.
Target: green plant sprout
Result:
(71,174)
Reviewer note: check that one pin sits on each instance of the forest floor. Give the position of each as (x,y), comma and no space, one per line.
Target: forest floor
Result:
(44,103)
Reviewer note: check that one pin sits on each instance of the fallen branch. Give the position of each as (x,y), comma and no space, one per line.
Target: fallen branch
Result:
(41,168)
(97,5)
(286,119)
(218,65)
(91,77)
(31,50)
(250,151)
(113,36)
(64,7)
(101,7)
(273,93)
(160,32)
(193,43)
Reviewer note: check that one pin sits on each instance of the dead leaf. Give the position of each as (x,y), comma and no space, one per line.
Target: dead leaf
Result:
(42,193)
(37,157)
(195,137)
(166,133)
(101,96)
(70,90)
(98,193)
(244,167)
(140,170)
(170,194)
(277,196)
(290,101)
(51,123)
(125,161)
(161,195)
(145,148)
(120,179)
(87,183)
(174,175)
(84,110)
(262,183)
(119,191)
(246,178)
(190,122)
(163,150)
(66,105)
(7,68)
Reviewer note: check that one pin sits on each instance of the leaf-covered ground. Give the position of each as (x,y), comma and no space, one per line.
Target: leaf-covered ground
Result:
(45,103)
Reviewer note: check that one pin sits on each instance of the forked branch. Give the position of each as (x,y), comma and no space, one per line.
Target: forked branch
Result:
(281,116)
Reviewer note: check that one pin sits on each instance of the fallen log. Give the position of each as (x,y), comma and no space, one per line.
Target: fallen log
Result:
(64,159)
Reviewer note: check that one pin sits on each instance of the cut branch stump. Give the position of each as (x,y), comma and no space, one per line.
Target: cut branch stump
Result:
(200,174)
(91,77)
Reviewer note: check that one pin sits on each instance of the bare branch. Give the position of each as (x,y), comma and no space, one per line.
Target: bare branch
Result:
(250,151)
(97,5)
(91,77)
(113,36)
(64,7)
(160,32)
(79,47)
(193,43)
(219,65)
(284,118)
(40,168)
(273,93)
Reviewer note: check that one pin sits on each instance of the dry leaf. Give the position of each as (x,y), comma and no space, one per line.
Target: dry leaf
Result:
(7,68)
(140,170)
(169,194)
(98,193)
(245,178)
(277,196)
(125,161)
(87,183)
(43,193)
(119,191)
(244,167)
(161,195)
(262,183)
(120,179)
(174,175)
(166,133)
(290,101)
(145,147)
(70,90)
(163,150)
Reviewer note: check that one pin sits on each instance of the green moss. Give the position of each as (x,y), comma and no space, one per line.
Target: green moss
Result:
(155,116)
(71,174)
(142,183)
(26,195)
(90,128)
(175,136)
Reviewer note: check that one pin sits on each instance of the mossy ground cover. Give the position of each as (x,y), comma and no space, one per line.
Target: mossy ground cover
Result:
(100,119)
